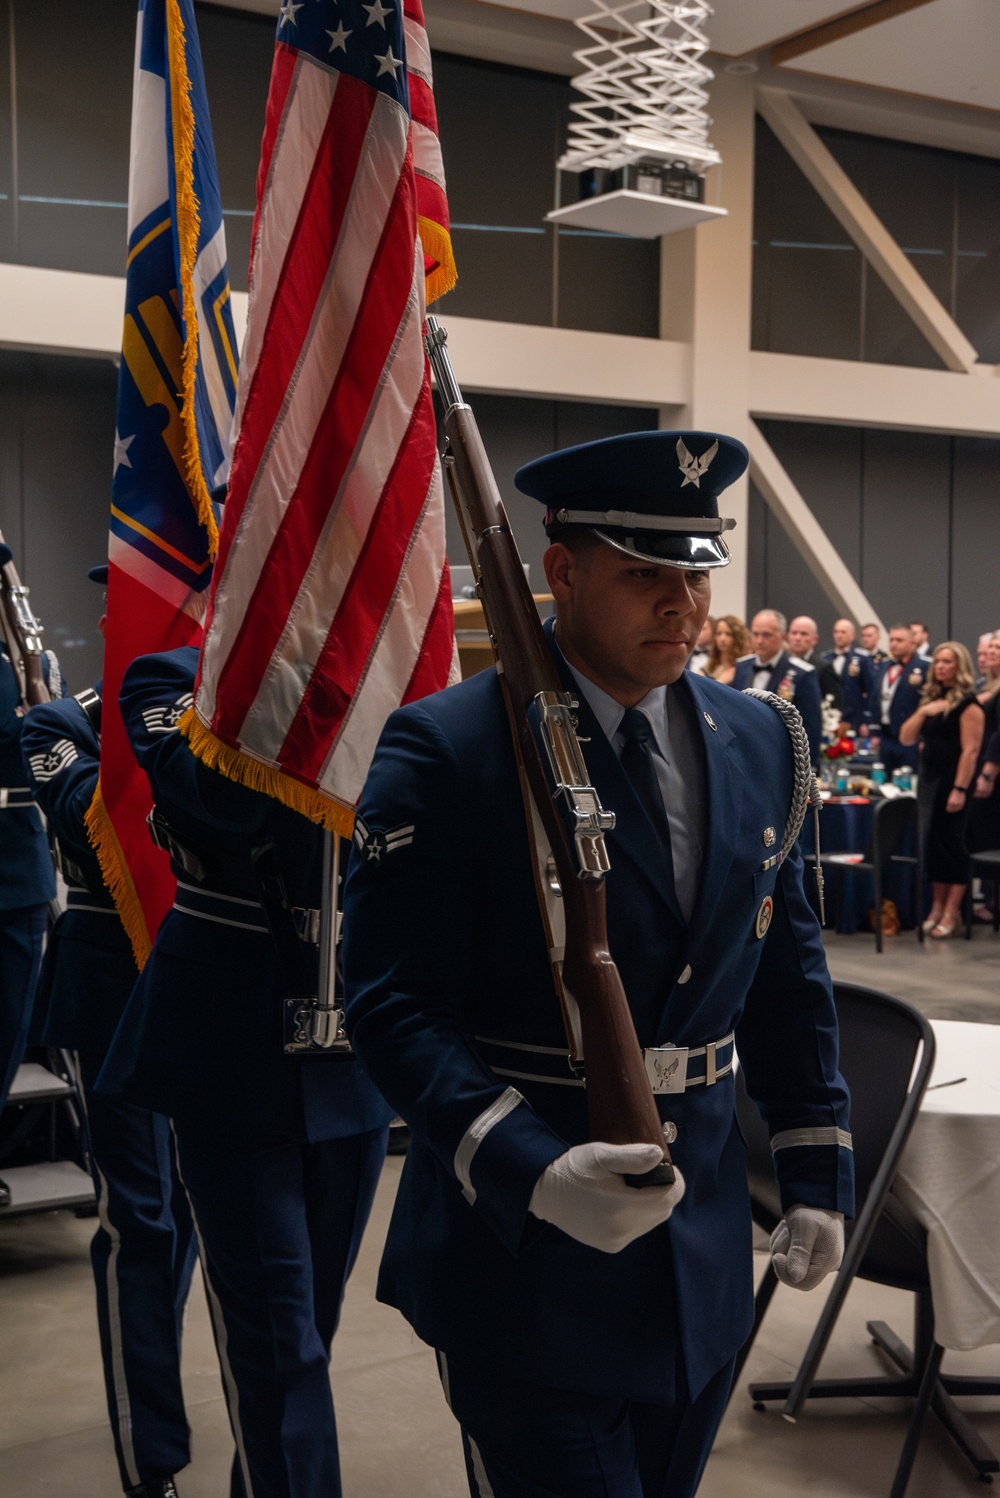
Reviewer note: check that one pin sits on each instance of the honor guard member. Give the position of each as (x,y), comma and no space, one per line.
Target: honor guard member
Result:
(871,640)
(144,1250)
(27,879)
(772,668)
(856,675)
(586,1332)
(280,1153)
(898,689)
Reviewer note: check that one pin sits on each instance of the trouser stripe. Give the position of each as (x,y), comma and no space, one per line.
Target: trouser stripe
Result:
(479,1471)
(123,1406)
(221,1343)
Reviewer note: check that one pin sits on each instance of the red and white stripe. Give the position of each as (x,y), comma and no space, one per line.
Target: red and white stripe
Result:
(330,603)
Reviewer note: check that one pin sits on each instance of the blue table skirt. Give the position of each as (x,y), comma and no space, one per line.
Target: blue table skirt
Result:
(845,827)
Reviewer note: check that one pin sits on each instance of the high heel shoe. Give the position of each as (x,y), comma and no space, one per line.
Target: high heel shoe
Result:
(945,928)
(931,921)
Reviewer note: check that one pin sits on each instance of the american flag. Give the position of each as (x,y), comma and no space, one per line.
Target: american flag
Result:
(330,599)
(176,394)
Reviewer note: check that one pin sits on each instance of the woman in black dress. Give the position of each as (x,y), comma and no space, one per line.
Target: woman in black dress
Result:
(949,726)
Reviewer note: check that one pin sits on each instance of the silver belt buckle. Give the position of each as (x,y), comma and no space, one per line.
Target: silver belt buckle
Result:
(666,1067)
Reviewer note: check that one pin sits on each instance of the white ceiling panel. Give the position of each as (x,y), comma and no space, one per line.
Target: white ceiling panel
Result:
(740,26)
(949,50)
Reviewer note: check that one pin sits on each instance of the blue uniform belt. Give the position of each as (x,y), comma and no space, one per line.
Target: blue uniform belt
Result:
(82,899)
(13,796)
(670,1068)
(235,910)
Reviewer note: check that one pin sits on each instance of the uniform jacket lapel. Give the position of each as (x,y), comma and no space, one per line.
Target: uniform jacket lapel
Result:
(634,837)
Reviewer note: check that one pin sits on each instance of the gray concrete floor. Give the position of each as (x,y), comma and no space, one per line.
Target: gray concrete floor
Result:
(397,1438)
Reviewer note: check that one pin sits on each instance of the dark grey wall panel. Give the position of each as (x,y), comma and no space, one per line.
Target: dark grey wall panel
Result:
(56,440)
(824,463)
(906,526)
(609,284)
(975,567)
(517,429)
(977,262)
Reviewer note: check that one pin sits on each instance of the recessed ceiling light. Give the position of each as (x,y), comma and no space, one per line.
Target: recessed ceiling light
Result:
(741,69)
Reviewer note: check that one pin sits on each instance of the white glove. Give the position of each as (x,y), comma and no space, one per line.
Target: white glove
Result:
(583,1194)
(807,1245)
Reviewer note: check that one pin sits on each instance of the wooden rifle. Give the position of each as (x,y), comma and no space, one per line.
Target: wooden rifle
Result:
(23,635)
(599,1028)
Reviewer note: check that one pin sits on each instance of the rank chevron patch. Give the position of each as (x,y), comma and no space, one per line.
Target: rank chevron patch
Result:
(48,765)
(373,844)
(166,719)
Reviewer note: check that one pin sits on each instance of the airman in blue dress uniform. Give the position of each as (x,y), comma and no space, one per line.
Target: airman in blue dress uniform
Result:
(896,697)
(280,1154)
(144,1250)
(27,879)
(771,668)
(856,674)
(585,1332)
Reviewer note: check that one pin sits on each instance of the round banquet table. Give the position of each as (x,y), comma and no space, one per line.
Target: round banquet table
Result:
(845,826)
(949,1178)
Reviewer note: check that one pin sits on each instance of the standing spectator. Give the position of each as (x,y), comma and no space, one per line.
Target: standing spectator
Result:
(898,690)
(921,638)
(871,640)
(982,646)
(984,821)
(730,640)
(803,640)
(700,653)
(771,669)
(949,727)
(855,673)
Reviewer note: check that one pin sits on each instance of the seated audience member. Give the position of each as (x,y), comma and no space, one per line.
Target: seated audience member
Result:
(855,674)
(948,726)
(803,641)
(699,654)
(921,636)
(730,640)
(871,640)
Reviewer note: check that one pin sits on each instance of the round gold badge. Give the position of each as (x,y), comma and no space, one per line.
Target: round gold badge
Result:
(764,915)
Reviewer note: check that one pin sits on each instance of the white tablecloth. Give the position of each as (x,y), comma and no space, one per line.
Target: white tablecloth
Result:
(950,1179)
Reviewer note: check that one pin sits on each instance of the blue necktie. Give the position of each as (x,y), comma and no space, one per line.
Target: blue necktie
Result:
(637,762)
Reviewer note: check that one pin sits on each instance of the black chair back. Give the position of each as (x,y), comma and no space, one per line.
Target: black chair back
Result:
(890,821)
(880,1038)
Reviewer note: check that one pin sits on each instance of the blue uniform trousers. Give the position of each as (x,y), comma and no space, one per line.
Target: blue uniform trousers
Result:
(143,1255)
(21,933)
(524,1441)
(279,1230)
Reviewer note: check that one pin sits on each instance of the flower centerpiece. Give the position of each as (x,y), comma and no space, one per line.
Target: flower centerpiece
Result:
(838,740)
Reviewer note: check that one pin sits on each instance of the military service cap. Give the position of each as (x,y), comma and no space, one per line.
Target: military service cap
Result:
(651,494)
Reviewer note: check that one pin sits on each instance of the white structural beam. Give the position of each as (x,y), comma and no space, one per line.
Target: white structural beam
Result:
(866,229)
(805,531)
(845,392)
(67,312)
(563,364)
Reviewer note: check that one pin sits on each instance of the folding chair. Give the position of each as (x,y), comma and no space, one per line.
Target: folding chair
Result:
(890,821)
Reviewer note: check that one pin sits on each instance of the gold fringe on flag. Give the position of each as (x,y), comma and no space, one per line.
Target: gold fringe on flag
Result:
(188,227)
(436,242)
(115,872)
(236,765)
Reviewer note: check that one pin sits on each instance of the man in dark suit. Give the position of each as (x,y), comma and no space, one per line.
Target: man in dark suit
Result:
(144,1250)
(585,1332)
(871,640)
(772,668)
(897,693)
(855,673)
(803,641)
